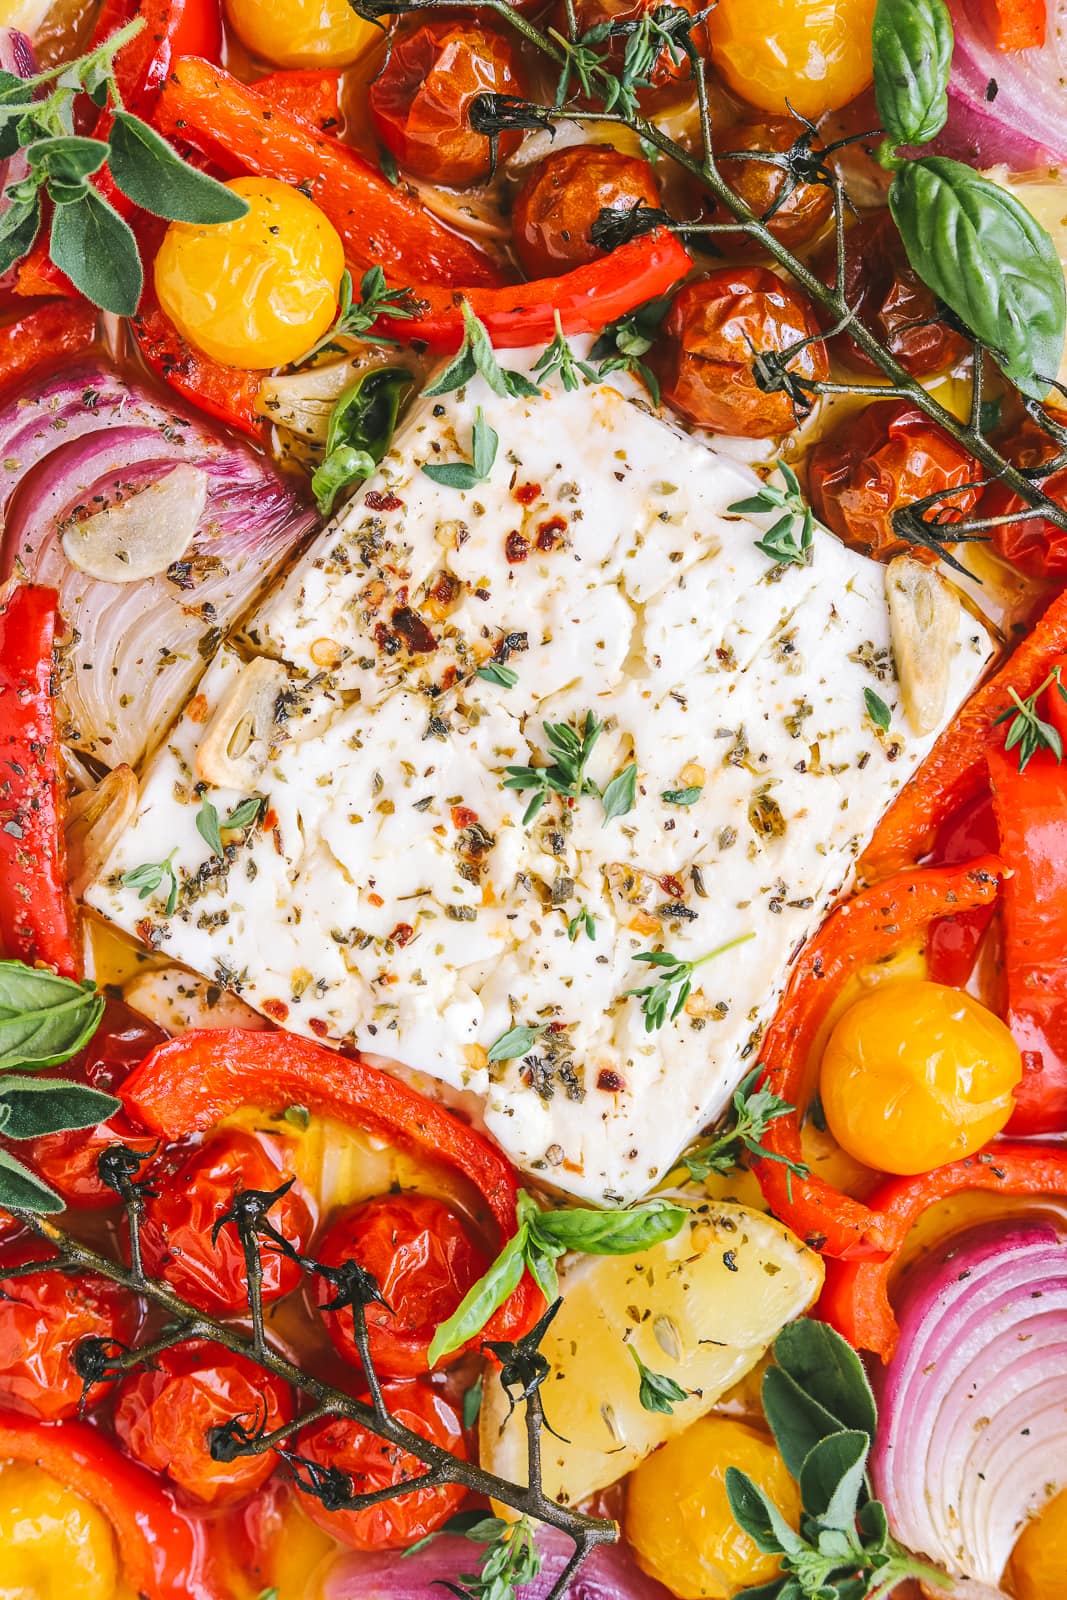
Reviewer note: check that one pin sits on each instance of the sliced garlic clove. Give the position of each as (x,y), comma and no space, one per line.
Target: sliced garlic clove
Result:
(96,820)
(236,743)
(303,402)
(180,1000)
(923,624)
(140,537)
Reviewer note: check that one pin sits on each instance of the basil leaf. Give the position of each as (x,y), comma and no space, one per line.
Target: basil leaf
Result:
(620,795)
(152,174)
(18,229)
(611,1233)
(987,258)
(481,1300)
(21,1191)
(341,467)
(362,424)
(831,1479)
(827,1369)
(44,1020)
(98,252)
(472,1402)
(912,41)
(542,1266)
(37,1106)
(207,826)
(759,1517)
(66,158)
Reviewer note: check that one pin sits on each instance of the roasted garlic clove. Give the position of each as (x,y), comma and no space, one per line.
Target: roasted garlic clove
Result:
(96,820)
(143,536)
(923,624)
(236,743)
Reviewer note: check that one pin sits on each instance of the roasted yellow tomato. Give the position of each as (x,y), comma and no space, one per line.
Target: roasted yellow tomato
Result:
(302,33)
(678,1518)
(1038,1568)
(256,292)
(52,1542)
(917,1074)
(811,55)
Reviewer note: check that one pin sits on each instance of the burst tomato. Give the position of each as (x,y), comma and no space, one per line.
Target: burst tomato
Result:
(191,1197)
(424,1262)
(561,199)
(793,215)
(1035,546)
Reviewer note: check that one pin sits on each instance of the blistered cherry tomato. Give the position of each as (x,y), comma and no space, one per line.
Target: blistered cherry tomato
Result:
(888,456)
(43,1316)
(761,184)
(892,301)
(256,292)
(1036,546)
(808,56)
(915,1075)
(561,199)
(373,1463)
(190,1198)
(669,67)
(420,101)
(704,355)
(302,33)
(424,1260)
(164,1415)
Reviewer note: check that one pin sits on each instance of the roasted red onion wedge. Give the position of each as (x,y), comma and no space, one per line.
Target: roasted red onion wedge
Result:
(158,535)
(973,1434)
(1006,107)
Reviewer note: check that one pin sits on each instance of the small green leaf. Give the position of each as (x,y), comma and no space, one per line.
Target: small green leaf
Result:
(472,1401)
(542,1267)
(18,229)
(21,1191)
(797,1421)
(831,1479)
(657,1392)
(152,174)
(496,672)
(464,474)
(44,1020)
(516,1042)
(342,467)
(66,158)
(877,709)
(297,1116)
(610,1233)
(620,795)
(683,797)
(207,826)
(361,430)
(912,45)
(243,815)
(759,1516)
(826,1367)
(37,1106)
(96,249)
(481,1300)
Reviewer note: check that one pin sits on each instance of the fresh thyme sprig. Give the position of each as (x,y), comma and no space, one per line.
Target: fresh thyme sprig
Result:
(752,1110)
(656,1391)
(789,540)
(570,750)
(559,357)
(356,318)
(150,876)
(509,1561)
(475,355)
(623,343)
(664,998)
(1028,731)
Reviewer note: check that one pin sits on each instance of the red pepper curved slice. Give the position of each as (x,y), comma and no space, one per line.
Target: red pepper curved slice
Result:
(239,130)
(867,928)
(1019,24)
(954,771)
(855,1297)
(164,1553)
(36,917)
(310,93)
(953,942)
(42,337)
(188,1084)
(587,298)
(228,393)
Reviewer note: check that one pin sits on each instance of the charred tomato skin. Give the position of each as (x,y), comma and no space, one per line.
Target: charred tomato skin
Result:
(797,218)
(561,199)
(1035,546)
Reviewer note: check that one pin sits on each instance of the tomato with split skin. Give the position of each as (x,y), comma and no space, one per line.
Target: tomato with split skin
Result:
(562,197)
(1033,544)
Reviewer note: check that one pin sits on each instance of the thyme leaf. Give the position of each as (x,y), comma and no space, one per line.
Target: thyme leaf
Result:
(752,1110)
(1027,729)
(664,998)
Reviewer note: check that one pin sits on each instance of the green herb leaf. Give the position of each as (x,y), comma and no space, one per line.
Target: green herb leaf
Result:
(683,797)
(472,1401)
(620,795)
(297,1116)
(207,826)
(37,1106)
(96,249)
(877,709)
(1027,730)
(342,467)
(464,474)
(979,249)
(153,175)
(516,1042)
(657,1391)
(752,1112)
(610,1233)
(797,1421)
(18,229)
(481,1300)
(475,355)
(570,750)
(150,876)
(361,430)
(496,672)
(759,1516)
(66,158)
(243,815)
(832,1477)
(664,999)
(560,358)
(21,1191)
(582,920)
(355,319)
(826,1368)
(912,42)
(44,1020)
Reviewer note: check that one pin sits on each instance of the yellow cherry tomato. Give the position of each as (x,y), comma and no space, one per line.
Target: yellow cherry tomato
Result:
(1038,1568)
(917,1074)
(678,1518)
(54,1545)
(813,54)
(302,33)
(256,292)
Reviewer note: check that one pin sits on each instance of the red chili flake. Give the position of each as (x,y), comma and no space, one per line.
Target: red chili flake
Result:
(376,501)
(550,533)
(672,886)
(402,934)
(319,1028)
(516,547)
(463,816)
(526,493)
(277,1010)
(270,820)
(420,641)
(376,900)
(609,1081)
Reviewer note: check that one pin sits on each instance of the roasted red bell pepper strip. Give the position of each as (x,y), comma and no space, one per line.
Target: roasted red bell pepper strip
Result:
(1019,24)
(164,1552)
(228,393)
(524,313)
(44,336)
(865,929)
(313,95)
(36,916)
(190,1083)
(1031,812)
(238,129)
(952,944)
(955,771)
(855,1297)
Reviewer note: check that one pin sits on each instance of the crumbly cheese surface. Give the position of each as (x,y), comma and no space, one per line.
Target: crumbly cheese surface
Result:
(391,895)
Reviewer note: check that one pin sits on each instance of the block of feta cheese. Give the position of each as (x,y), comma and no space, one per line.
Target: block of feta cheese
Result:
(391,895)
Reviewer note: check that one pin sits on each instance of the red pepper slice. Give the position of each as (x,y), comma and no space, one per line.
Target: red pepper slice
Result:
(855,1297)
(36,917)
(228,393)
(952,944)
(239,130)
(1019,24)
(587,298)
(42,337)
(1031,811)
(867,928)
(955,771)
(164,1553)
(312,94)
(188,1084)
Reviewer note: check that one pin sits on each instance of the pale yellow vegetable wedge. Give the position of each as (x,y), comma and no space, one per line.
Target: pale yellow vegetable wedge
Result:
(701,1309)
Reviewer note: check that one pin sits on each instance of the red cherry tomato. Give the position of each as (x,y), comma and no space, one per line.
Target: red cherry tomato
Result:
(68,1161)
(372,1463)
(888,456)
(420,101)
(165,1413)
(191,1197)
(1035,546)
(562,197)
(794,215)
(424,1261)
(43,1316)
